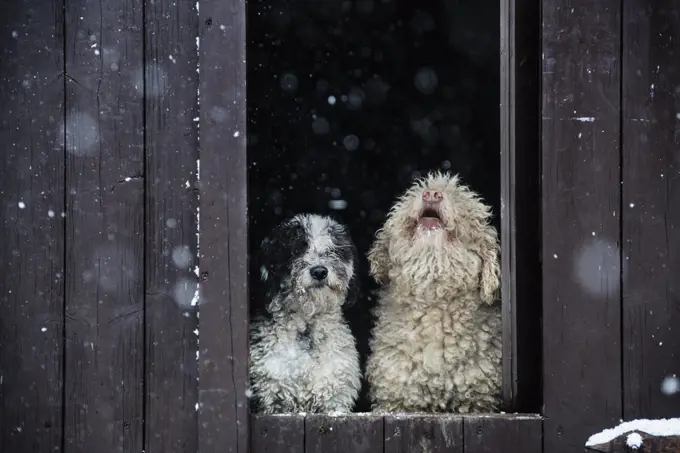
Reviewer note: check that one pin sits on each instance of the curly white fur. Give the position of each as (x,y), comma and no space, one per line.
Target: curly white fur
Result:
(436,346)
(303,355)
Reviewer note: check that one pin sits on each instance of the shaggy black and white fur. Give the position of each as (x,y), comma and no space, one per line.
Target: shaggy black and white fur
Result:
(303,357)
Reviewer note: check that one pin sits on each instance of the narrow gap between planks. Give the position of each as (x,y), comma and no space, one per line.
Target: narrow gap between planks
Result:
(621,201)
(145,217)
(65,230)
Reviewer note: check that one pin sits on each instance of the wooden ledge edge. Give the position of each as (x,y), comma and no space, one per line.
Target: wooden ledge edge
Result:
(400,416)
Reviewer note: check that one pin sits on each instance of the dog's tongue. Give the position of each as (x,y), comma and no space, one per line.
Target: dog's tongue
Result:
(430,222)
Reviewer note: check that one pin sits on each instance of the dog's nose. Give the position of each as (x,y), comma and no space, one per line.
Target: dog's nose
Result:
(432,195)
(318,272)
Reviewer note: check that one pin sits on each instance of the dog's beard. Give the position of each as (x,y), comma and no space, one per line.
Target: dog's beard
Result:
(429,257)
(313,299)
(425,256)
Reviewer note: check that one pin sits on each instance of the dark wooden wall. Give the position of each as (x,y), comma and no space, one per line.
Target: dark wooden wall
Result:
(650,235)
(581,220)
(99,243)
(33,231)
(611,187)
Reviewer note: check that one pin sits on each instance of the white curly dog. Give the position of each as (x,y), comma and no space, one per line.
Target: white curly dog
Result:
(436,346)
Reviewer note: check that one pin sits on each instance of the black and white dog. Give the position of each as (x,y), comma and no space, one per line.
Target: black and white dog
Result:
(303,357)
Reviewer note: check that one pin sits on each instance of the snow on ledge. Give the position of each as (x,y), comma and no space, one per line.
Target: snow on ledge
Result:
(405,415)
(660,427)
(634,440)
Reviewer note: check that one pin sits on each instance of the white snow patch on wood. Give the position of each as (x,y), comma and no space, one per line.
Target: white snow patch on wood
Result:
(660,427)
(634,440)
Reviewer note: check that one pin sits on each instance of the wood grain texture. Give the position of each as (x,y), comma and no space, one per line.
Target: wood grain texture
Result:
(498,434)
(520,206)
(104,374)
(277,434)
(424,434)
(495,434)
(223,363)
(331,434)
(581,220)
(31,226)
(651,219)
(171,205)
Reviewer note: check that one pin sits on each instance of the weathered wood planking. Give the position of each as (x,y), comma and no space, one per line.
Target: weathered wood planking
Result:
(520,220)
(223,249)
(581,220)
(337,434)
(277,434)
(171,205)
(31,226)
(497,434)
(427,433)
(104,362)
(651,214)
(399,433)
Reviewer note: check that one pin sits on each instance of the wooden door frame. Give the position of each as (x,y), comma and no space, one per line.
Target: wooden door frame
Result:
(520,202)
(223,347)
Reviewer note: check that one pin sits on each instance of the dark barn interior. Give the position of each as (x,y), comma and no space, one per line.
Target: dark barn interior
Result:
(349,101)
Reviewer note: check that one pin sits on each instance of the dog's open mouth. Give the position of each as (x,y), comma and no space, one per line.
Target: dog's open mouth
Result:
(430,219)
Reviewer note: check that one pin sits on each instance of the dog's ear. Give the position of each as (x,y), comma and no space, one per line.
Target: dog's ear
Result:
(277,251)
(266,265)
(490,278)
(378,257)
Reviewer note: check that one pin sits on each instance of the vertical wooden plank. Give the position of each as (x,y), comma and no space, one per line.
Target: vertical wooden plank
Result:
(171,80)
(277,433)
(104,372)
(498,434)
(223,306)
(520,206)
(341,434)
(581,220)
(31,230)
(651,220)
(437,433)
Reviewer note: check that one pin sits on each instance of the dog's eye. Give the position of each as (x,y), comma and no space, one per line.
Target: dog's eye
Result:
(299,245)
